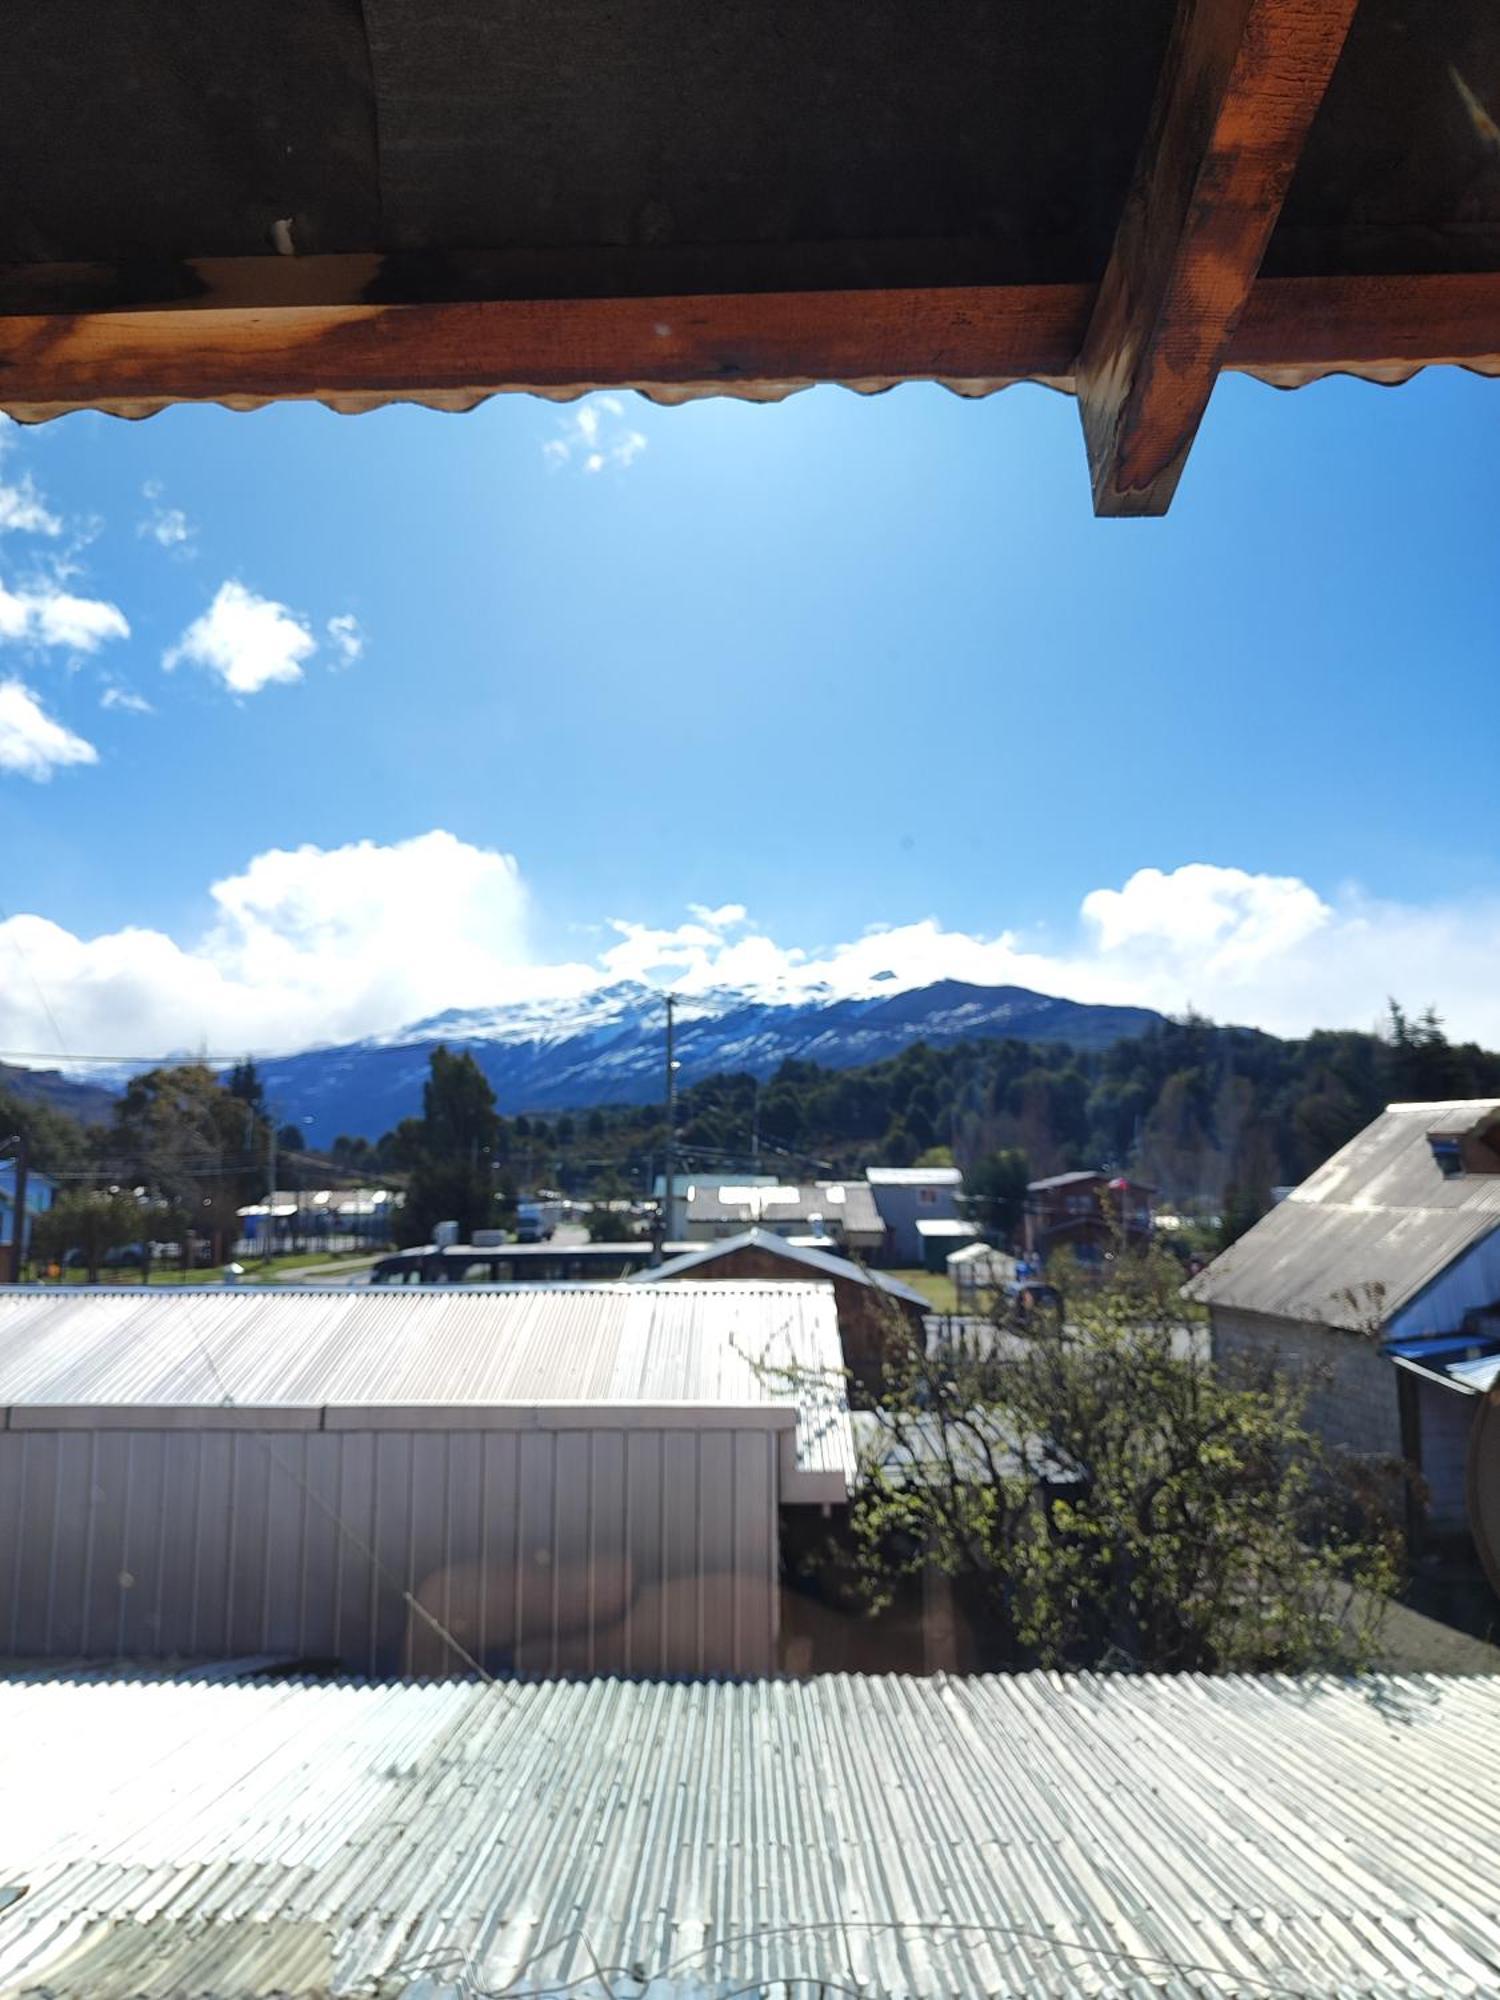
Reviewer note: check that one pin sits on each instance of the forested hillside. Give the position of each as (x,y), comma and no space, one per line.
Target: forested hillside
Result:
(1213,1117)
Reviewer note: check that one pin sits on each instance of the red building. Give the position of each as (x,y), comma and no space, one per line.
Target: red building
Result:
(1085,1212)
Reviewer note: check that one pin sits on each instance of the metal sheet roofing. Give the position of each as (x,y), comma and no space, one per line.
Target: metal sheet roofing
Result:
(848,1205)
(799,1256)
(914,1177)
(132,1352)
(1372,1228)
(1029,1836)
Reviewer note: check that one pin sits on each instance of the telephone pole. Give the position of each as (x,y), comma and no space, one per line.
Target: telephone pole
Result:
(668,1204)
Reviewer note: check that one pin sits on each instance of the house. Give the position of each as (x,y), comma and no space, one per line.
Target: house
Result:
(843,1212)
(987,1838)
(864,1299)
(586,1479)
(1389,1253)
(41,1192)
(1084,1213)
(905,1196)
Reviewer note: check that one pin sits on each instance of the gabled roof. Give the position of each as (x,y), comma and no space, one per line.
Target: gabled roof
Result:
(1369,1231)
(978,1838)
(800,1257)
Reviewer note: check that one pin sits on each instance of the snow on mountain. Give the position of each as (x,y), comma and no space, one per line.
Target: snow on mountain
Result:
(606,1046)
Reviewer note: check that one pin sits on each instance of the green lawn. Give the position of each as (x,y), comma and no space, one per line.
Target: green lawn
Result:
(256,1271)
(935,1287)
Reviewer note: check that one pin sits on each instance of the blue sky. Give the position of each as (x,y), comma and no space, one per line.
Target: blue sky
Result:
(813,668)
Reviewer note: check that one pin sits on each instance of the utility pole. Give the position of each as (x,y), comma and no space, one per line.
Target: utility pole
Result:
(19,1146)
(668,1205)
(271,1183)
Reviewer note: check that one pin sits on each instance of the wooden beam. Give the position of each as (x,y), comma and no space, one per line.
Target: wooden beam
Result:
(748,344)
(745,343)
(1240,83)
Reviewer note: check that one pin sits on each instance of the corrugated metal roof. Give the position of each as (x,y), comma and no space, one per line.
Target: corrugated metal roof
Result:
(846,1205)
(739,1346)
(1372,1228)
(1028,1836)
(800,1255)
(914,1177)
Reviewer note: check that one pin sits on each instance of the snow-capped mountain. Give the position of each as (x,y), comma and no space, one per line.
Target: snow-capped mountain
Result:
(606,1047)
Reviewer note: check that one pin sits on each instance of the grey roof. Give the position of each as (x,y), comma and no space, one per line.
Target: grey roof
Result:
(847,1205)
(800,1256)
(342,1358)
(1066,1180)
(914,1177)
(1369,1231)
(989,1839)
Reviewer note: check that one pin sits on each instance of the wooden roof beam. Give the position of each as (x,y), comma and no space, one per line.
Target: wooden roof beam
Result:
(1240,83)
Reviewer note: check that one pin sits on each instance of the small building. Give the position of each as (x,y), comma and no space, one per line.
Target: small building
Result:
(940,1236)
(864,1298)
(979,1276)
(1389,1253)
(905,1196)
(1085,1213)
(589,1479)
(995,1837)
(842,1212)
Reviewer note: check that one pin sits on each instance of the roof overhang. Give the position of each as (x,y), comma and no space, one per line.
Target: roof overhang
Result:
(360,201)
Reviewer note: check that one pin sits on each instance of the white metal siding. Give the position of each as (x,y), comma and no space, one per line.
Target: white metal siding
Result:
(543,1550)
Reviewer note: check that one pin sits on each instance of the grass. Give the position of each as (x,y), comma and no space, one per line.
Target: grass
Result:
(935,1286)
(257,1272)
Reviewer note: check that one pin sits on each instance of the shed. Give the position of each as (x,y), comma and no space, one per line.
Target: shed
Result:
(983,1839)
(940,1237)
(865,1299)
(584,1479)
(906,1196)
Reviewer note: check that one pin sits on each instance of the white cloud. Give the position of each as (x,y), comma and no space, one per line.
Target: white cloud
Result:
(23,511)
(117,695)
(32,743)
(314,945)
(169,527)
(42,614)
(247,642)
(346,638)
(594,435)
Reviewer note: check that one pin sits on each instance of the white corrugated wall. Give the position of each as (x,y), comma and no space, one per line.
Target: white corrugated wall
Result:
(553,1550)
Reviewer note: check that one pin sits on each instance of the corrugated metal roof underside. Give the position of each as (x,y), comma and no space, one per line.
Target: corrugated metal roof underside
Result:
(1031,1836)
(1368,1231)
(739,1346)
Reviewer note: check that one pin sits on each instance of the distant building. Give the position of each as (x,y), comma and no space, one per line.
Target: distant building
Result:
(1389,1253)
(305,1218)
(905,1196)
(979,1276)
(864,1298)
(940,1236)
(1084,1212)
(843,1212)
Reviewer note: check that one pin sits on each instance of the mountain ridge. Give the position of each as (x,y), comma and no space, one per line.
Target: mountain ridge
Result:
(607,1046)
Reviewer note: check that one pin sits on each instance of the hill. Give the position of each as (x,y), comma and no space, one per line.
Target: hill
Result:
(607,1047)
